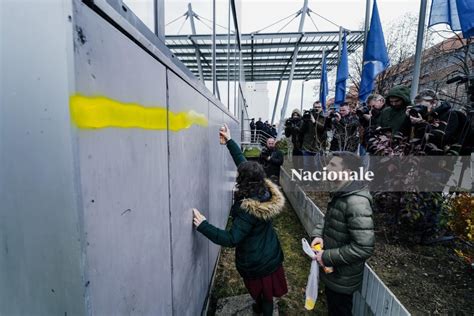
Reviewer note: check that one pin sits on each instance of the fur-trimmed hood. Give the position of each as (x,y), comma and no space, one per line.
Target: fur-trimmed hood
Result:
(268,209)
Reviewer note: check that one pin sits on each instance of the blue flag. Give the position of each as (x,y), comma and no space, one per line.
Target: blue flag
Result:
(323,88)
(375,55)
(342,75)
(458,14)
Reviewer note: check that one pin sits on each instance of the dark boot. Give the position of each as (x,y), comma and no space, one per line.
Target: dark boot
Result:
(267,308)
(257,306)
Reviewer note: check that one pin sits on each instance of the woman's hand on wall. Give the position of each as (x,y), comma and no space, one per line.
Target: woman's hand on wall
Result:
(224,134)
(198,217)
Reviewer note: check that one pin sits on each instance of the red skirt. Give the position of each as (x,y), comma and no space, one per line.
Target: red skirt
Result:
(272,285)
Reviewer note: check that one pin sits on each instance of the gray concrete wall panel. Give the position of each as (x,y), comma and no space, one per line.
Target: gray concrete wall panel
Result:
(189,187)
(124,177)
(98,221)
(40,239)
(218,202)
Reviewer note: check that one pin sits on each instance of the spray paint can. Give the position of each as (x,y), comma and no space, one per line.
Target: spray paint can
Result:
(327,270)
(222,139)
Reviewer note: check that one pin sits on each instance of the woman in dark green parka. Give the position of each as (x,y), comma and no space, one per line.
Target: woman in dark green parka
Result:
(258,254)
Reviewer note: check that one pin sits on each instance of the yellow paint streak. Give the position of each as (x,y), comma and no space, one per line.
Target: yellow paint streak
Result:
(102,112)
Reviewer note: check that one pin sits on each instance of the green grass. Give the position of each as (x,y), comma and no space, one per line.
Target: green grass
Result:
(252,152)
(296,265)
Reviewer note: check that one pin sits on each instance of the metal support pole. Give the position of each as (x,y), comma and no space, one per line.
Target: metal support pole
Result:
(419,49)
(304,10)
(340,44)
(191,15)
(228,56)
(276,101)
(160,19)
(302,94)
(214,76)
(367,23)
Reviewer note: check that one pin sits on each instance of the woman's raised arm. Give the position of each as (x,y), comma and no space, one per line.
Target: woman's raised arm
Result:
(234,149)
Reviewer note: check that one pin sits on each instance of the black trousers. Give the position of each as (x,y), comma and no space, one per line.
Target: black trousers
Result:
(338,304)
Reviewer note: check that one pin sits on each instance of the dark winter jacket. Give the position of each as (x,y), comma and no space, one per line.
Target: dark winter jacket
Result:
(447,131)
(313,135)
(396,119)
(272,166)
(257,249)
(293,129)
(345,134)
(348,235)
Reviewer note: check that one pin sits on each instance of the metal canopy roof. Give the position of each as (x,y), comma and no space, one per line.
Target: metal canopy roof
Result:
(266,56)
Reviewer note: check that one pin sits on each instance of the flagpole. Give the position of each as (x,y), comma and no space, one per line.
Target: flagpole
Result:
(340,45)
(419,49)
(367,22)
(302,94)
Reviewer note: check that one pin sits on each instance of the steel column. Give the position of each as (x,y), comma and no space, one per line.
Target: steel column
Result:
(276,100)
(292,71)
(302,94)
(193,30)
(160,19)
(214,78)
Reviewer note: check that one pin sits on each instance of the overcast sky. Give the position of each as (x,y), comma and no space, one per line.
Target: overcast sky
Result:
(255,15)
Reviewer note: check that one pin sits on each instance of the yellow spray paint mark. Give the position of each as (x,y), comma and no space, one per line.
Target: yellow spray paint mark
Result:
(102,112)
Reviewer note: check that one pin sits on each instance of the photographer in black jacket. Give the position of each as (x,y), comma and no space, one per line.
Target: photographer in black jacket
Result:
(345,130)
(313,135)
(293,130)
(368,115)
(434,121)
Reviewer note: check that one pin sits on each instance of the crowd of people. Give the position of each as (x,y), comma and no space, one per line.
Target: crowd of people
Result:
(353,126)
(346,235)
(260,131)
(345,244)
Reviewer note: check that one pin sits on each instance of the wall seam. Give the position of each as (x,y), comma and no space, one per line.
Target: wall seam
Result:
(169,189)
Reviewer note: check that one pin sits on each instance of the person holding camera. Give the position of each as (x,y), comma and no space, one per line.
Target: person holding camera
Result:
(345,130)
(271,159)
(433,120)
(313,134)
(369,115)
(394,116)
(293,129)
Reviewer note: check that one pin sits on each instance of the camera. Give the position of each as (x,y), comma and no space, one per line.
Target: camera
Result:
(291,121)
(307,114)
(418,109)
(363,110)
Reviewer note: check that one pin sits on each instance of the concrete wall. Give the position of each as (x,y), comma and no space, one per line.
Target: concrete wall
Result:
(98,221)
(41,271)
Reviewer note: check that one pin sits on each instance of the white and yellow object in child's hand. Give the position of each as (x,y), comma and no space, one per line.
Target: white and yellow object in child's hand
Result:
(313,278)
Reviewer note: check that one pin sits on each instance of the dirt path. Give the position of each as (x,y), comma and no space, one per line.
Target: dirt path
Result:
(297,264)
